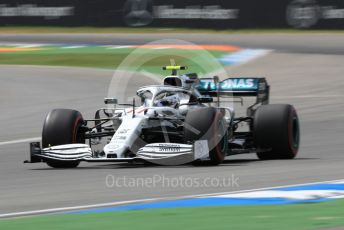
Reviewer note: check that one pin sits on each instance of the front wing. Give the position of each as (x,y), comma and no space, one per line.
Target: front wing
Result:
(156,153)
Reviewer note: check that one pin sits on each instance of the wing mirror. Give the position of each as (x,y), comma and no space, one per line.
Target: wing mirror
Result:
(110,100)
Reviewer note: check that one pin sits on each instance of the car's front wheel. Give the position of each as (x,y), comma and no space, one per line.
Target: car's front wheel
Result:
(208,123)
(62,126)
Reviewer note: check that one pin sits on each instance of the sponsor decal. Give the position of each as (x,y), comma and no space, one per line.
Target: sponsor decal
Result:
(201,149)
(32,10)
(119,137)
(238,84)
(169,148)
(123,131)
(303,13)
(307,13)
(209,12)
(331,12)
(229,84)
(207,84)
(138,12)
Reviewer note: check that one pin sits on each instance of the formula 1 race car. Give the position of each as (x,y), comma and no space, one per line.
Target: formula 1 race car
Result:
(179,122)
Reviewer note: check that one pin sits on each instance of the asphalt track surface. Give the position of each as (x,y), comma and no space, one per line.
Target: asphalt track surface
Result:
(310,78)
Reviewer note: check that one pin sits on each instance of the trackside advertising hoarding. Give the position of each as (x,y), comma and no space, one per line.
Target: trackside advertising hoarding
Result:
(219,14)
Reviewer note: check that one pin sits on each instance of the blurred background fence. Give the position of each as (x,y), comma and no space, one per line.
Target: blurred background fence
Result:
(219,14)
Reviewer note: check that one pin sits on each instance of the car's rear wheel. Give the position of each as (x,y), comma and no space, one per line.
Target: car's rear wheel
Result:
(62,126)
(276,132)
(208,124)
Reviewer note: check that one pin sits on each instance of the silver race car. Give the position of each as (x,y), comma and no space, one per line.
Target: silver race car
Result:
(181,121)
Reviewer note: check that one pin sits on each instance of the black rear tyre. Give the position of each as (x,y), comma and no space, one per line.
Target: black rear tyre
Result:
(276,132)
(208,124)
(61,126)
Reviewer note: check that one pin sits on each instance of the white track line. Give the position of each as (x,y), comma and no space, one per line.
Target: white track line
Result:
(64,209)
(20,141)
(71,208)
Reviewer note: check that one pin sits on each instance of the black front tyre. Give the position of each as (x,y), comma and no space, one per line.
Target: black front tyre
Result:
(208,124)
(276,132)
(61,126)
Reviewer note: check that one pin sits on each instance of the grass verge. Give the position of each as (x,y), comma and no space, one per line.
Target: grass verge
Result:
(141,59)
(295,216)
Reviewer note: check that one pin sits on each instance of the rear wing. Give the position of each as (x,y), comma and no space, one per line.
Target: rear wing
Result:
(236,87)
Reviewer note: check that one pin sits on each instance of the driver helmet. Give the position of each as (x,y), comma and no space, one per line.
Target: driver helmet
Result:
(170,101)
